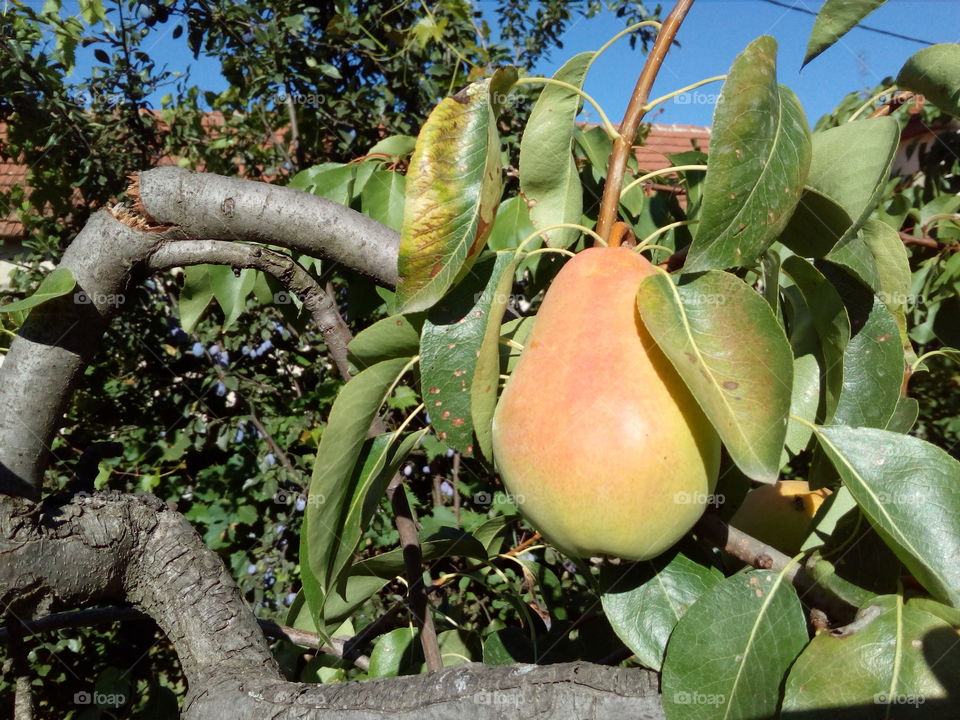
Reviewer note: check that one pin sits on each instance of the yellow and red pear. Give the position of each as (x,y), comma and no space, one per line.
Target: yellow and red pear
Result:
(595,435)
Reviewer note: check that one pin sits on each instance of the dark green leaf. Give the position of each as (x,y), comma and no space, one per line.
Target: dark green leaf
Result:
(391,337)
(835,19)
(645,602)
(759,156)
(909,489)
(933,72)
(728,654)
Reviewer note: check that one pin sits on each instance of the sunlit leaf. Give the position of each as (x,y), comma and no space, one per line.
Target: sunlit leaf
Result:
(835,19)
(728,654)
(58,283)
(933,72)
(759,156)
(728,347)
(453,189)
(910,491)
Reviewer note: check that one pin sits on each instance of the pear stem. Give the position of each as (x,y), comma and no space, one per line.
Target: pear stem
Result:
(631,119)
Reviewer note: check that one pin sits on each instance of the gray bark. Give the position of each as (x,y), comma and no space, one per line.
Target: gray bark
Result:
(213,206)
(110,547)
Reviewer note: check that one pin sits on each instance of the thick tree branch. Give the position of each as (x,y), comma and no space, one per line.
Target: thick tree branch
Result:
(213,206)
(284,268)
(112,547)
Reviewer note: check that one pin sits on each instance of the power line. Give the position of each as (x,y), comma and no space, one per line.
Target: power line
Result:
(859,25)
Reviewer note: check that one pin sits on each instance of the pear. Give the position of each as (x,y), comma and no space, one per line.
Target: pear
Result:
(781,514)
(596,436)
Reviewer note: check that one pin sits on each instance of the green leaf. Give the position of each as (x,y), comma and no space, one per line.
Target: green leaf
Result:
(383,196)
(877,256)
(548,174)
(872,372)
(830,322)
(333,181)
(729,653)
(450,344)
(804,401)
(195,295)
(391,337)
(835,19)
(395,145)
(453,189)
(908,489)
(512,225)
(933,72)
(894,661)
(92,11)
(728,347)
(390,564)
(58,283)
(335,474)
(645,603)
(231,291)
(486,376)
(393,652)
(850,165)
(759,156)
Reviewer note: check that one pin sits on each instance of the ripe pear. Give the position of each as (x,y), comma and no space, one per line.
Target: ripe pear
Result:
(595,435)
(781,514)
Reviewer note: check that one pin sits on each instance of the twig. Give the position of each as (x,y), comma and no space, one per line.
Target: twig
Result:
(924,241)
(412,557)
(631,119)
(284,268)
(898,99)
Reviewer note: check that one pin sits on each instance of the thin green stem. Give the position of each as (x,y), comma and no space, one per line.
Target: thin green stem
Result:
(863,108)
(652,246)
(655,173)
(663,98)
(626,31)
(660,231)
(607,125)
(560,251)
(803,421)
(537,233)
(919,361)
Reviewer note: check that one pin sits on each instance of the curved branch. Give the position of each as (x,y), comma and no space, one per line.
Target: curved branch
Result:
(213,206)
(111,547)
(284,268)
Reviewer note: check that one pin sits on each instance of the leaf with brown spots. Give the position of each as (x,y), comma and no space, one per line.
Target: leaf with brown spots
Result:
(450,344)
(760,153)
(453,190)
(726,344)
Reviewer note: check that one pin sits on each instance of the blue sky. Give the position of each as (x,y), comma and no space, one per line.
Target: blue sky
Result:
(712,35)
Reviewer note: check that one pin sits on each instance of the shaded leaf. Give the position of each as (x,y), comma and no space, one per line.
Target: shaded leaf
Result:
(453,189)
(846,180)
(933,72)
(450,345)
(728,654)
(898,661)
(56,284)
(759,156)
(835,19)
(382,198)
(390,337)
(728,347)
(231,291)
(908,489)
(335,473)
(645,603)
